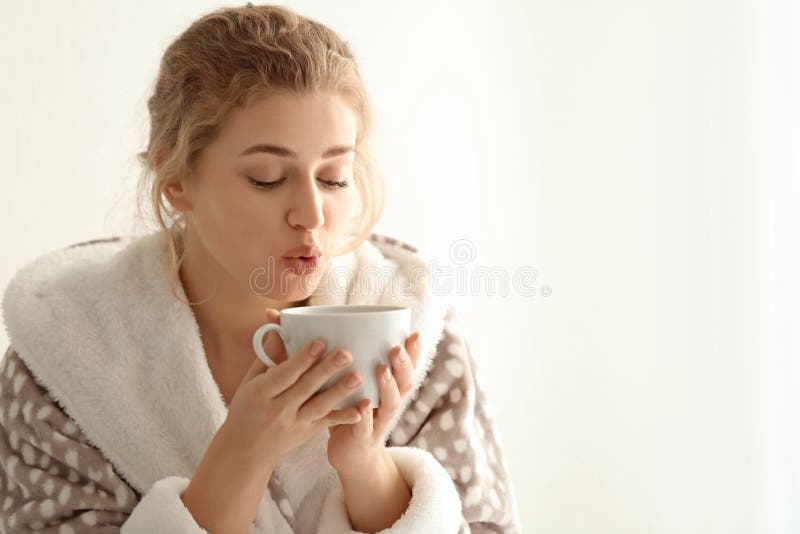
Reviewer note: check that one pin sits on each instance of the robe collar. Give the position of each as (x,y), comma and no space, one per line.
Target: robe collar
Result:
(98,327)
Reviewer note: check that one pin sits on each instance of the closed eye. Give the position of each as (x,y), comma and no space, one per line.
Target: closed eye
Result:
(271,185)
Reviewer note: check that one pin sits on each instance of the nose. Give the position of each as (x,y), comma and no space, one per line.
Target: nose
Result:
(306,209)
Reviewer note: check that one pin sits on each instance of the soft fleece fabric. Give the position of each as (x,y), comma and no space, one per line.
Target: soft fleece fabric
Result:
(107,404)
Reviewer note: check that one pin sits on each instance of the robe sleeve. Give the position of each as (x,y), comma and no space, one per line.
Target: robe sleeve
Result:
(451,417)
(54,480)
(448,449)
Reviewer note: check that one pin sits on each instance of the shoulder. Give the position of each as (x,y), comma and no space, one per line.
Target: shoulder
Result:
(409,263)
(58,275)
(112,239)
(392,242)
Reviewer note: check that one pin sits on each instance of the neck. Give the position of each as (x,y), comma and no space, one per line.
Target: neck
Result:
(226,311)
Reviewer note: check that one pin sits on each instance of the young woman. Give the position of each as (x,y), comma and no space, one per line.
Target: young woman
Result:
(131,399)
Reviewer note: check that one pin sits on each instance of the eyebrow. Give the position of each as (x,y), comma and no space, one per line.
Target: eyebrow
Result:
(333,151)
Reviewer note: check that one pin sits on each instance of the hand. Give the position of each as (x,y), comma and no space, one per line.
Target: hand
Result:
(353,448)
(277,408)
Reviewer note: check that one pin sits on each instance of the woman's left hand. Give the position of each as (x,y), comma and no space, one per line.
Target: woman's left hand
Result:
(353,448)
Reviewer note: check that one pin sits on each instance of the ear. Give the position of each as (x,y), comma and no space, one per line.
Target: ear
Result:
(178,196)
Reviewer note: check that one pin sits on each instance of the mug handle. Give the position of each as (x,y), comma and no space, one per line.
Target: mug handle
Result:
(258,341)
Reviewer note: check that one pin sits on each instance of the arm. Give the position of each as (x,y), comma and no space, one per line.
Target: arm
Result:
(225,491)
(434,504)
(376,499)
(447,451)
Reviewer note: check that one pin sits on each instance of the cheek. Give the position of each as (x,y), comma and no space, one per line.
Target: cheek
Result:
(234,226)
(245,216)
(239,233)
(223,210)
(337,212)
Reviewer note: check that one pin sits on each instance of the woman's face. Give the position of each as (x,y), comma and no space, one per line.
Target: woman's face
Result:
(301,143)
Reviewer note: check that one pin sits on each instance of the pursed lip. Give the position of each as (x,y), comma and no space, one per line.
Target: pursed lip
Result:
(304,251)
(302,266)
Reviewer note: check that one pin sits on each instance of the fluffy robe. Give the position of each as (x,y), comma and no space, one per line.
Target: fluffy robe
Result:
(107,404)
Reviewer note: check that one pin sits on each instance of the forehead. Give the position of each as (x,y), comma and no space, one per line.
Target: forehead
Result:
(307,124)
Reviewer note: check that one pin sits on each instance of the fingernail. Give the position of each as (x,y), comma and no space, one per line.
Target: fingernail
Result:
(401,356)
(317,347)
(387,374)
(340,358)
(353,381)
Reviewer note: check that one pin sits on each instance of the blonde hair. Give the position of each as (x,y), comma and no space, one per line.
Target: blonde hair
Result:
(229,58)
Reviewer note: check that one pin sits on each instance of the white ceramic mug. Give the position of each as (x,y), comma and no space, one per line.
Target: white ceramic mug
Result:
(367,331)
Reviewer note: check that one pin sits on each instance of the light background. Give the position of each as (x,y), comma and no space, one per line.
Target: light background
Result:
(641,155)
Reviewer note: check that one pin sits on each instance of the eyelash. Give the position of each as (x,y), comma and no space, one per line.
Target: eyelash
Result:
(271,185)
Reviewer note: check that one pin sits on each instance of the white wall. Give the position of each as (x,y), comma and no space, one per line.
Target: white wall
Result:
(626,149)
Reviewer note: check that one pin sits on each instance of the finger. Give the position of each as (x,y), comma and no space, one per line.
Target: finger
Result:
(323,402)
(256,368)
(329,368)
(413,348)
(281,377)
(334,418)
(364,428)
(390,398)
(402,368)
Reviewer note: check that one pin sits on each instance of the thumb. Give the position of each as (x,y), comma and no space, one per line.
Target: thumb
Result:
(256,368)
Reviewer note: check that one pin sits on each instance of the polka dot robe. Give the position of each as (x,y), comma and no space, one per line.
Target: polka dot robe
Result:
(52,479)
(452,418)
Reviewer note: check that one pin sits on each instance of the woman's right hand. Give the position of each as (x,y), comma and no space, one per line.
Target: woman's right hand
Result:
(277,408)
